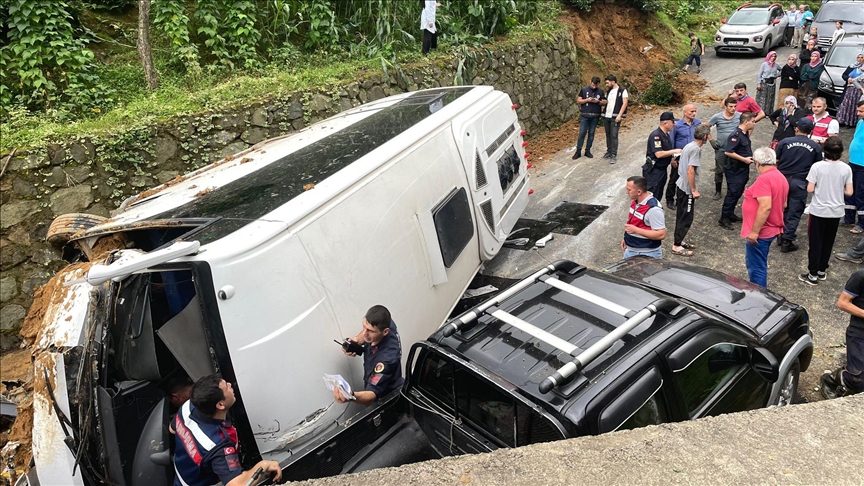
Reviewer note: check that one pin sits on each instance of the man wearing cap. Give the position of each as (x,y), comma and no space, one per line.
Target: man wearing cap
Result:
(739,155)
(659,154)
(682,134)
(795,156)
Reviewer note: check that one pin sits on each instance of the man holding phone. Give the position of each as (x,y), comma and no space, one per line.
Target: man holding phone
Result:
(591,100)
(382,357)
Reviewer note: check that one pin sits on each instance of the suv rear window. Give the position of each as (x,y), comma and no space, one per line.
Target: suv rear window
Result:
(749,17)
(484,405)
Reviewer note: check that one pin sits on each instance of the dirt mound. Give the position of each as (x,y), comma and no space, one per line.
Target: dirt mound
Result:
(615,40)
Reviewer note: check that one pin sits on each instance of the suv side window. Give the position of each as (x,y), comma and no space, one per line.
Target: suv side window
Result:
(640,404)
(705,375)
(486,406)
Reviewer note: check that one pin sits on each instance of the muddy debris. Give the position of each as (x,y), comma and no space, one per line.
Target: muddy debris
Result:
(109,243)
(204,192)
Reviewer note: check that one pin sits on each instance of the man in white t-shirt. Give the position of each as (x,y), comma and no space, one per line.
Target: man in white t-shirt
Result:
(689,167)
(829,180)
(616,110)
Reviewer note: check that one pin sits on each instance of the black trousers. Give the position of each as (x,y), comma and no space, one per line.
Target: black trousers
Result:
(672,186)
(822,232)
(683,215)
(430,41)
(656,177)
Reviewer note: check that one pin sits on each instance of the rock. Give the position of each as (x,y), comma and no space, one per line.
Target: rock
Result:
(376,93)
(319,103)
(13,213)
(44,256)
(166,175)
(71,200)
(79,173)
(140,181)
(8,288)
(221,138)
(99,210)
(255,135)
(232,149)
(56,154)
(232,120)
(23,188)
(57,177)
(163,149)
(345,104)
(295,111)
(79,153)
(11,255)
(11,317)
(38,279)
(9,340)
(19,236)
(182,130)
(259,117)
(298,124)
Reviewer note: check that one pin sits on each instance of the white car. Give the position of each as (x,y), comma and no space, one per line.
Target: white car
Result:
(751,29)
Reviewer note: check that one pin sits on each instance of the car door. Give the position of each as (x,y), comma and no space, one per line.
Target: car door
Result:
(711,374)
(780,27)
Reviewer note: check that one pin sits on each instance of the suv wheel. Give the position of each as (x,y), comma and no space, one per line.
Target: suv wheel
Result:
(789,387)
(766,48)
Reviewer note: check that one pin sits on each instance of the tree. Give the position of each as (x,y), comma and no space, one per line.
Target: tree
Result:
(143,44)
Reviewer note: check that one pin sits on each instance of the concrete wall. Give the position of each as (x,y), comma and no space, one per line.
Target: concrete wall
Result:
(94,175)
(817,443)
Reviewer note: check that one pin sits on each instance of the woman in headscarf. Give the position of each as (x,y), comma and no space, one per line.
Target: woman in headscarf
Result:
(790,78)
(809,81)
(846,114)
(785,119)
(766,79)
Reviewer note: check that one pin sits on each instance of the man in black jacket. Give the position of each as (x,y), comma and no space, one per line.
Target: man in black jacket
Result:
(591,101)
(795,156)
(616,110)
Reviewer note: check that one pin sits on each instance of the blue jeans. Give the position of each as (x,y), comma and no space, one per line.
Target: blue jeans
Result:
(658,253)
(691,58)
(856,199)
(756,260)
(587,125)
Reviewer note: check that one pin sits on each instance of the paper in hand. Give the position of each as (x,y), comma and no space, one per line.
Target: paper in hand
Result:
(336,381)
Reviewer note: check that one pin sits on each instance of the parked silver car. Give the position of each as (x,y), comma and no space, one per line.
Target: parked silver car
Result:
(751,29)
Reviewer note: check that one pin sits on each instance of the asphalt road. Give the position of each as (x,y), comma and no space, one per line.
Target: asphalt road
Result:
(595,181)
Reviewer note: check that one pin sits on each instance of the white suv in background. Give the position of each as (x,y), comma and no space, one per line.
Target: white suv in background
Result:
(751,29)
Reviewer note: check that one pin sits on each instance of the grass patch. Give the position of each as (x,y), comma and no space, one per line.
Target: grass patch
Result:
(180,95)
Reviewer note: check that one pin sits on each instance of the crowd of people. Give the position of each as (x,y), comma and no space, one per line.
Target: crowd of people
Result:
(804,161)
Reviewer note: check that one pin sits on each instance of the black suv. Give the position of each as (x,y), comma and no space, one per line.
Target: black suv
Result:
(569,351)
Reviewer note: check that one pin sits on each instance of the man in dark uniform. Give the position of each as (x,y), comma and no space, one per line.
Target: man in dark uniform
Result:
(658,155)
(206,442)
(739,155)
(382,357)
(795,156)
(849,379)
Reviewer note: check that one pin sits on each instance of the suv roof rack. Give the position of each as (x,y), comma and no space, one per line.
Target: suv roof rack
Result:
(490,307)
(744,5)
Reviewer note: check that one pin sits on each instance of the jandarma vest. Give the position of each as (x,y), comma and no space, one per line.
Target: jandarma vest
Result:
(637,218)
(820,128)
(197,441)
(619,100)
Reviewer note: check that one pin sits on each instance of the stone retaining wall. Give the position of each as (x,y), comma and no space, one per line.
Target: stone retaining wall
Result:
(94,175)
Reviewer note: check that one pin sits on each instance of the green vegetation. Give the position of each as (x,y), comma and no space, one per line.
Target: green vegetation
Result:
(70,67)
(660,92)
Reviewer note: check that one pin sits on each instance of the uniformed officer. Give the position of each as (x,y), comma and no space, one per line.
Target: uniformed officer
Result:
(382,357)
(658,155)
(206,442)
(795,156)
(739,156)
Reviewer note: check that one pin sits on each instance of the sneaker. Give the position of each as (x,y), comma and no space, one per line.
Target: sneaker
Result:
(735,218)
(808,279)
(589,154)
(576,156)
(613,159)
(822,275)
(787,246)
(716,196)
(670,204)
(607,155)
(726,224)
(843,257)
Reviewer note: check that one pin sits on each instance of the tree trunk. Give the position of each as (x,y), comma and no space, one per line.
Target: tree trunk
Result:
(143,44)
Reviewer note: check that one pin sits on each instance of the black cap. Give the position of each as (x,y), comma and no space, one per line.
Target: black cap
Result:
(667,115)
(805,125)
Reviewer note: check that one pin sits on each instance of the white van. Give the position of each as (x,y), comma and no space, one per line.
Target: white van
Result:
(252,266)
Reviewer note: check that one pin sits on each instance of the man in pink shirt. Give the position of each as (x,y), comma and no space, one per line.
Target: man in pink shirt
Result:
(746,103)
(762,211)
